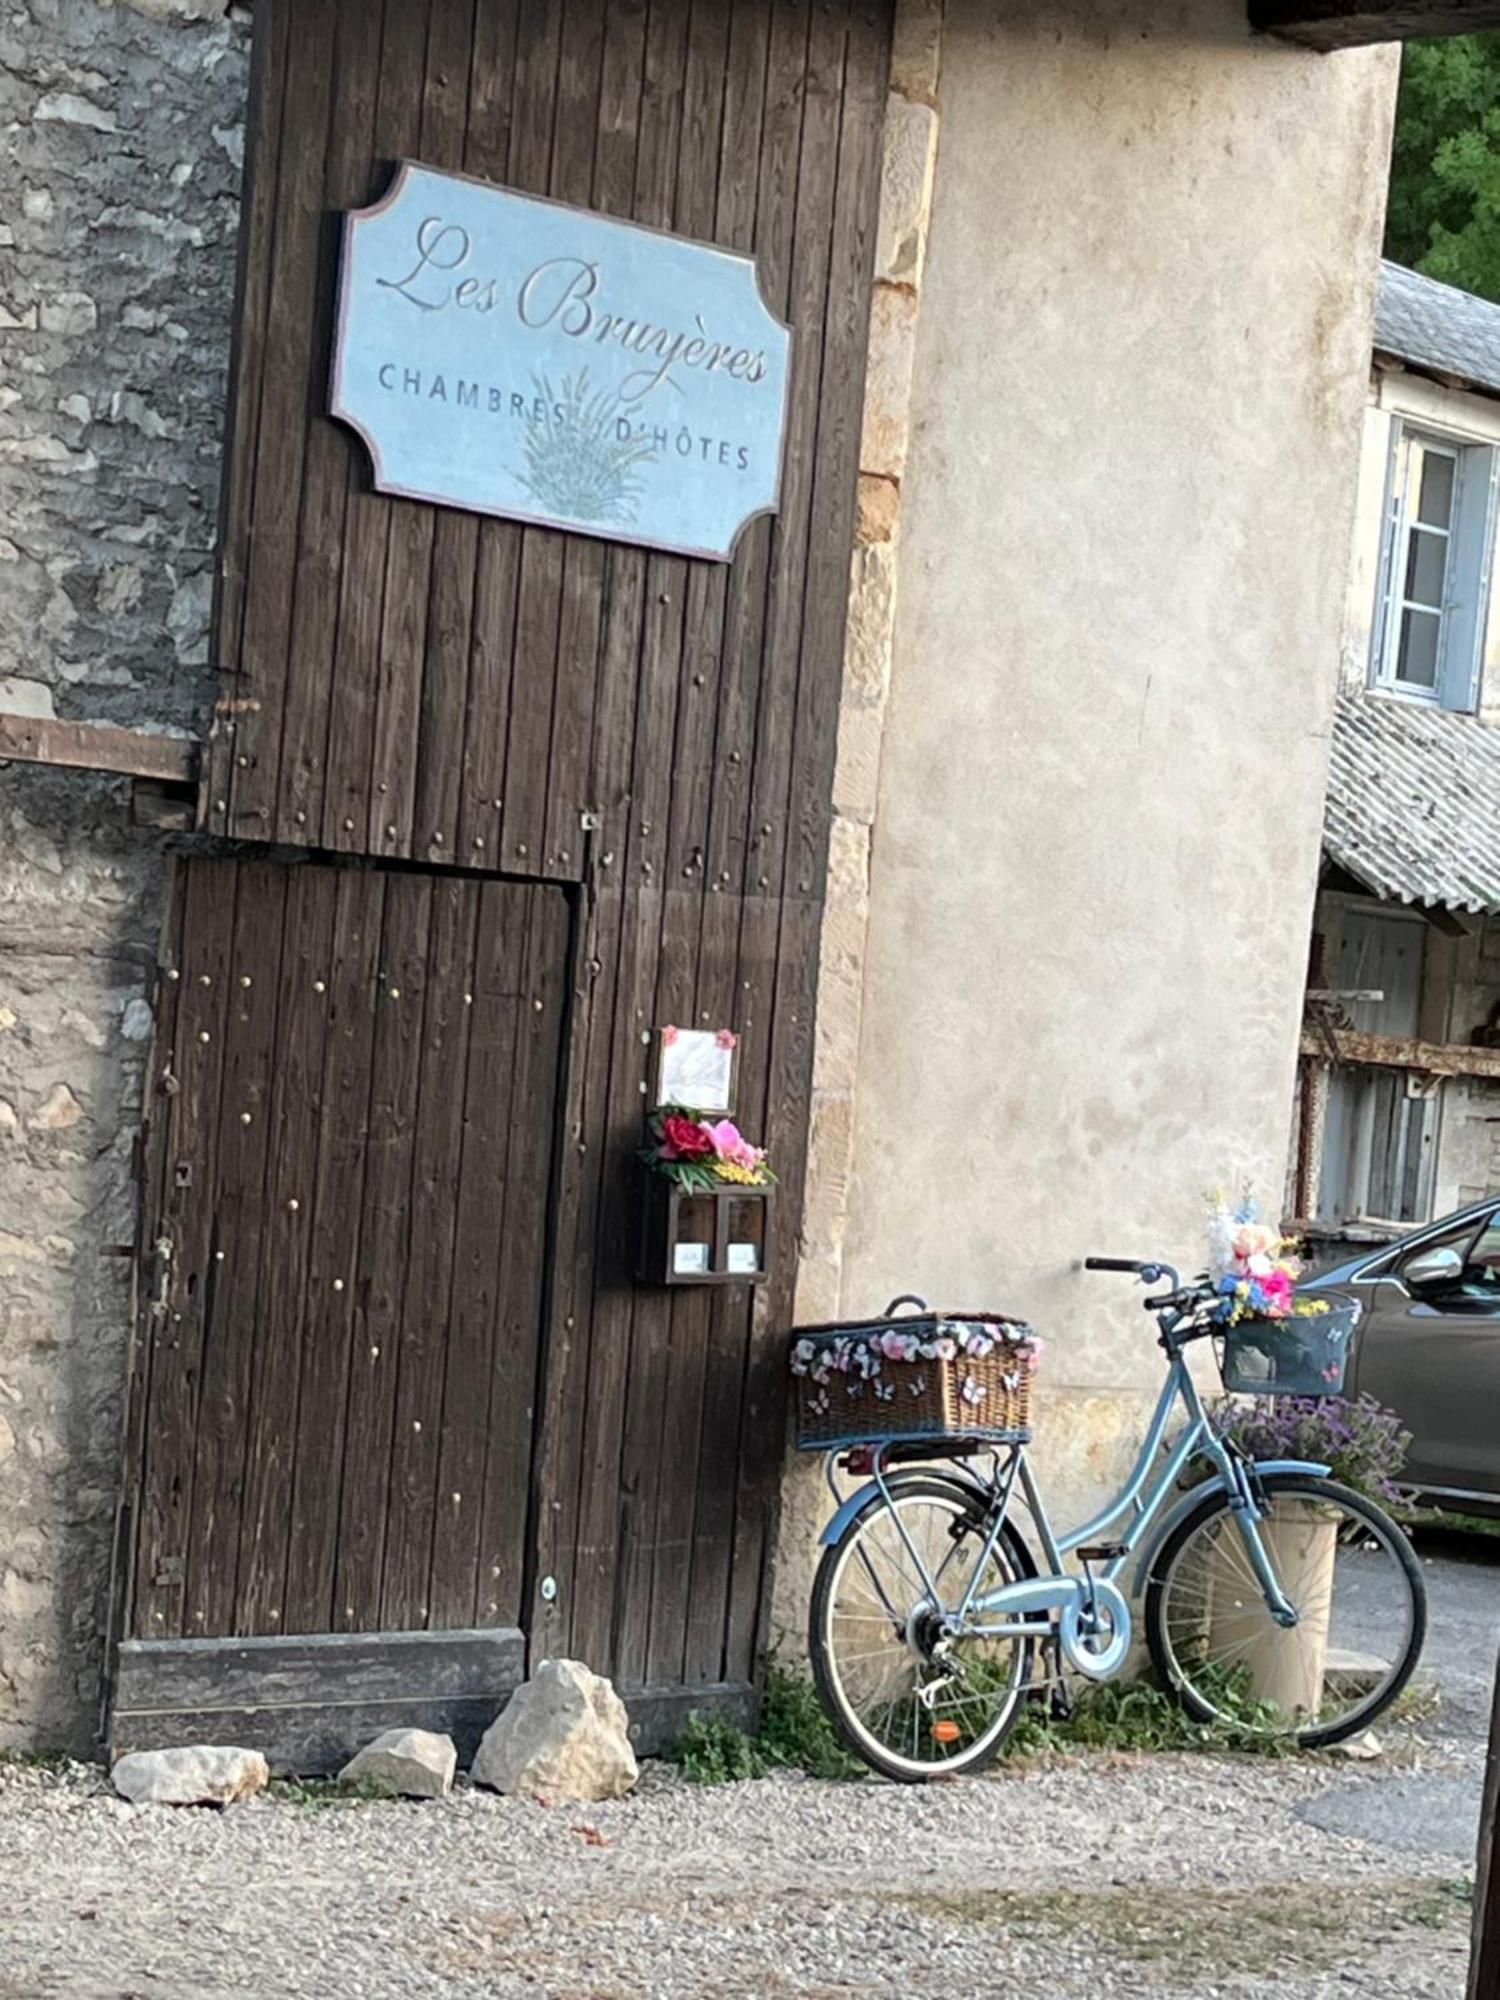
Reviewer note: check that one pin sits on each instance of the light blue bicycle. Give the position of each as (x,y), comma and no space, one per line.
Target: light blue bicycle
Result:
(1275,1598)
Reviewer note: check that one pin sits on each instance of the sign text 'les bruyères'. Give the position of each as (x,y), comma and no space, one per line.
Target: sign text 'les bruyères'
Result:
(514,356)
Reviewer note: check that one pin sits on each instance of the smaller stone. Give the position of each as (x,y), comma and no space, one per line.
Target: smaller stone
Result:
(187,617)
(59,1111)
(564,1734)
(198,1775)
(879,507)
(119,589)
(1363,1749)
(417,1763)
(126,407)
(10,1124)
(183,11)
(66,107)
(69,312)
(888,379)
(905,191)
(135,1021)
(37,204)
(25,697)
(917,49)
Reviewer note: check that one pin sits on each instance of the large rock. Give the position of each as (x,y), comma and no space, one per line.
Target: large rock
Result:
(564,1734)
(414,1762)
(198,1775)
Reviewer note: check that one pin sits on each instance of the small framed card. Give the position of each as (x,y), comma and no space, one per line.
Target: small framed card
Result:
(743,1259)
(695,1067)
(690,1257)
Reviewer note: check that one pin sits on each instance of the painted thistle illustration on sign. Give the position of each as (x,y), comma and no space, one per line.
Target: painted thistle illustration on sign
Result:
(577,463)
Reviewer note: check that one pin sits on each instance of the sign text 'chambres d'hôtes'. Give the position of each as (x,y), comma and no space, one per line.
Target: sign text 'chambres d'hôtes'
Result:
(513,356)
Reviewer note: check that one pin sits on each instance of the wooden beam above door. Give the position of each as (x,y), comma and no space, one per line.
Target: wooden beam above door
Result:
(1326,25)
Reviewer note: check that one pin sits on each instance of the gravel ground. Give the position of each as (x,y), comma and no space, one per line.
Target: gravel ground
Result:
(1190,1876)
(1165,1878)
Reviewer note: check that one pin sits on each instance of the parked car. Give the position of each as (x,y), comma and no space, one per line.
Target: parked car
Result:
(1428,1346)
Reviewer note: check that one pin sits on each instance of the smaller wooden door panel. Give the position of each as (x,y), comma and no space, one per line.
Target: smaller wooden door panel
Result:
(348,1176)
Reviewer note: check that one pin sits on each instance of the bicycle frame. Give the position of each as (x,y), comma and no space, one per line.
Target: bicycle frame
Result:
(1062,1599)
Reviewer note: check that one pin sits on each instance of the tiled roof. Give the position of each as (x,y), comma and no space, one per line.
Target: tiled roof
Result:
(1437,326)
(1413,805)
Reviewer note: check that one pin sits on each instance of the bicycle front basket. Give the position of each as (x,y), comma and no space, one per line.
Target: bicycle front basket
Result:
(1303,1355)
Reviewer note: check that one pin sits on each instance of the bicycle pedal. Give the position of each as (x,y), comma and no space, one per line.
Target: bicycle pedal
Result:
(1103,1552)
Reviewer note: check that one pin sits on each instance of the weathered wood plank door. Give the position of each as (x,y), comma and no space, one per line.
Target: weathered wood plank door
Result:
(348,1170)
(650,735)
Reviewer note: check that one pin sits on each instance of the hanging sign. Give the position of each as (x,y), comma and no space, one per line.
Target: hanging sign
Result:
(514,356)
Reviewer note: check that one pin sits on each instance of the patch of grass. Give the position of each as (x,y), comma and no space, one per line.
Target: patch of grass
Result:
(36,1760)
(1197,1932)
(1131,1715)
(1457,1524)
(1436,1904)
(1419,1701)
(794,1735)
(317,1794)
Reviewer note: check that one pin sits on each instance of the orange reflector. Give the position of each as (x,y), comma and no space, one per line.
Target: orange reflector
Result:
(945,1732)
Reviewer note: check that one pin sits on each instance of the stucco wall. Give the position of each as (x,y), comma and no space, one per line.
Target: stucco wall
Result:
(1140,364)
(118,212)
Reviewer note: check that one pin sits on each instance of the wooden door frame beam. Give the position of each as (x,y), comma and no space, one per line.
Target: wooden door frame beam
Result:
(1350,1045)
(98,746)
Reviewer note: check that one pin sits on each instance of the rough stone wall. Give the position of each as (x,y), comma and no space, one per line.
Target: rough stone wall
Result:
(118,216)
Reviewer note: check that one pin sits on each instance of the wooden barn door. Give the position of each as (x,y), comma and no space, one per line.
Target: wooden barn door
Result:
(649,736)
(350,1156)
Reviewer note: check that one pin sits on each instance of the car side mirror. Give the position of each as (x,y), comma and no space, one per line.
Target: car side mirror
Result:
(1440,1266)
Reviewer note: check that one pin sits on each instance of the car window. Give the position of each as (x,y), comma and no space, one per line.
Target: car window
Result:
(1485,1255)
(1458,1238)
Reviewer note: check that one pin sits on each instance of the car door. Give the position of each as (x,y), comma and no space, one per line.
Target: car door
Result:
(1432,1354)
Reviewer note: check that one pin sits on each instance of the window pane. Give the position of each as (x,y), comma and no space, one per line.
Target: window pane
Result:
(1435,493)
(1426,560)
(1416,658)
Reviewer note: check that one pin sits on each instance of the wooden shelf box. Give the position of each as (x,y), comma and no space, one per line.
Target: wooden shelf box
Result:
(719,1237)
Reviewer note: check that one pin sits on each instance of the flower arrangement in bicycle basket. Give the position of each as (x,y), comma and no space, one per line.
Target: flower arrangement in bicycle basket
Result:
(1276,1343)
(701,1154)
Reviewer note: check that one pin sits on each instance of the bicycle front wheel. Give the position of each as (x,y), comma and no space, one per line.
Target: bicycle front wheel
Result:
(1361,1605)
(911,1702)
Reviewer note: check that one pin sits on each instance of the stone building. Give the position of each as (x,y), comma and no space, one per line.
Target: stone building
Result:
(1399,1092)
(980,755)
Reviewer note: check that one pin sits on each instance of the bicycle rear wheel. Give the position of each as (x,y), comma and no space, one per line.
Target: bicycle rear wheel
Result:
(910,1704)
(1361,1603)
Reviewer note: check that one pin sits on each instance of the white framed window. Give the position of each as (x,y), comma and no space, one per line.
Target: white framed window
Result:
(1435,569)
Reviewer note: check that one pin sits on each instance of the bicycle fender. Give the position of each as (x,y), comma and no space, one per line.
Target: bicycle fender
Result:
(861,1494)
(1194,1497)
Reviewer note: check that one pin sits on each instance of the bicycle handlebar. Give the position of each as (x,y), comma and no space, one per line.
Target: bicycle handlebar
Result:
(1178,1297)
